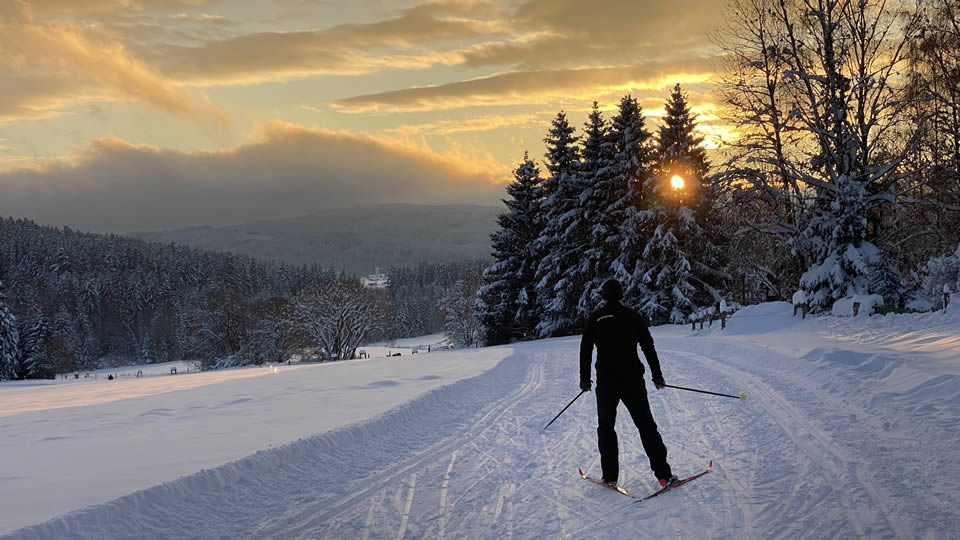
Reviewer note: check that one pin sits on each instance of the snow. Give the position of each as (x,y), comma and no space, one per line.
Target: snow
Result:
(799,297)
(849,430)
(67,446)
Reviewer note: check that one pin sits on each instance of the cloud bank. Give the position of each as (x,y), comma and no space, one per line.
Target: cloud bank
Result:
(113,186)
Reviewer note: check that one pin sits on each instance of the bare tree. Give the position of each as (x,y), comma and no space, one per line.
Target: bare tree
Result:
(457,304)
(339,315)
(816,87)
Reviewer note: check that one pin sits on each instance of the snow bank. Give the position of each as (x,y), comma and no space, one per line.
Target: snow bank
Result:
(844,306)
(954,305)
(759,319)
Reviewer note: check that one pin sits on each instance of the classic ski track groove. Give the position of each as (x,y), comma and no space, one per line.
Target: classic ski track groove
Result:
(694,421)
(321,512)
(406,507)
(444,517)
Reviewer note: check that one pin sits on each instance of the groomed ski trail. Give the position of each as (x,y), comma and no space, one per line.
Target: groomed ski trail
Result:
(468,460)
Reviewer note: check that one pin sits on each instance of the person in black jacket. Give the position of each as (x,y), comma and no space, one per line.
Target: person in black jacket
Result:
(616,330)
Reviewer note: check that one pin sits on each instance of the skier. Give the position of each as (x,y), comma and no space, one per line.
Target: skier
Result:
(616,330)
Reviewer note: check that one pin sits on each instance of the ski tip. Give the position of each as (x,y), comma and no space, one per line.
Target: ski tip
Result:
(581,472)
(710,466)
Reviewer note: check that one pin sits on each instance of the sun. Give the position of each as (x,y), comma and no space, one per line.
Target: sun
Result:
(677,181)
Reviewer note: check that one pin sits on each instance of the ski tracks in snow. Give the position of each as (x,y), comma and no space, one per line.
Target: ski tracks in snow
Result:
(469,460)
(803,462)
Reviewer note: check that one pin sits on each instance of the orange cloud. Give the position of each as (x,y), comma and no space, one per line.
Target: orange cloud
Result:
(345,49)
(58,8)
(66,65)
(483,123)
(530,87)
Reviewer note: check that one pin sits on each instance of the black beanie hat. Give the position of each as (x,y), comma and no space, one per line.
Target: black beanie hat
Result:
(611,290)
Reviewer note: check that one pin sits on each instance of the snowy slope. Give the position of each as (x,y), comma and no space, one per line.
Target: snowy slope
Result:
(849,430)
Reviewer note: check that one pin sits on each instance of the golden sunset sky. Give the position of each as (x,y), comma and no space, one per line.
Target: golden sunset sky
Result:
(122,115)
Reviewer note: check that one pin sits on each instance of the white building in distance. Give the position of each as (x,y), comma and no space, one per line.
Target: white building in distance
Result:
(375,280)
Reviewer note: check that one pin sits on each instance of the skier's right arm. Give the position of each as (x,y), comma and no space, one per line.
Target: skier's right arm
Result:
(586,355)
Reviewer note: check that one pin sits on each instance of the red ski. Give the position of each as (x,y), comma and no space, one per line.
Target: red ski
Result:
(679,483)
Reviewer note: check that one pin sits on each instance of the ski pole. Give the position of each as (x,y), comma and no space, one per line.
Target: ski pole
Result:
(741,396)
(564,409)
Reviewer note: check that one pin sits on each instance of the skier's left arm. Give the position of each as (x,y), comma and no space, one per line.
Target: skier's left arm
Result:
(650,353)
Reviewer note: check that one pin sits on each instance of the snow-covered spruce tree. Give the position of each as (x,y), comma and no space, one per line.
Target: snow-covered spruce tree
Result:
(505,301)
(680,148)
(632,193)
(557,248)
(887,281)
(37,363)
(682,260)
(601,215)
(9,341)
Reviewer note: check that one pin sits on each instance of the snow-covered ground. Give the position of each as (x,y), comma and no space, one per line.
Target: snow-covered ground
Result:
(850,429)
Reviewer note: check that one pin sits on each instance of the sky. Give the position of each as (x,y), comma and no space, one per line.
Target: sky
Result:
(137,115)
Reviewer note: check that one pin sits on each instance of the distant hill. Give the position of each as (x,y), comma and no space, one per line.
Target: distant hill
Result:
(357,239)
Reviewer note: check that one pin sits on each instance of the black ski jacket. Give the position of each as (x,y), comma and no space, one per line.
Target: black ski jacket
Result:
(616,330)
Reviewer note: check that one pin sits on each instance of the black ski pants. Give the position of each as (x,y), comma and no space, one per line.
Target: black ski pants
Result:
(634,396)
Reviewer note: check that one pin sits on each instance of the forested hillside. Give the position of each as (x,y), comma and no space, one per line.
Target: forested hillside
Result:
(73,301)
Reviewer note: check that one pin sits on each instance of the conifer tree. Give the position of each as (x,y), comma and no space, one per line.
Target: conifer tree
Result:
(682,259)
(9,341)
(600,211)
(37,363)
(557,296)
(505,303)
(632,194)
(679,147)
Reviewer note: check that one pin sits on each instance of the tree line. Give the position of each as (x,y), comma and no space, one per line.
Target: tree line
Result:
(72,301)
(843,179)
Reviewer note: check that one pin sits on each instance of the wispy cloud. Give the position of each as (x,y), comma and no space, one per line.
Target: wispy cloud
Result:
(347,49)
(530,87)
(65,64)
(59,8)
(483,123)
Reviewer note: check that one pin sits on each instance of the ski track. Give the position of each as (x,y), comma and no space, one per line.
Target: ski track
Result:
(836,493)
(469,460)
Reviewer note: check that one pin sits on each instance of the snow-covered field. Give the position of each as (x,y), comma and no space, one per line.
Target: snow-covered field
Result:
(850,430)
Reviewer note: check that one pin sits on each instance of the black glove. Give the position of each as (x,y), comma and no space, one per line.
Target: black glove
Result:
(659,382)
(585,385)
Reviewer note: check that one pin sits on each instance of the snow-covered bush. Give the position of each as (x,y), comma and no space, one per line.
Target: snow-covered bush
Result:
(937,273)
